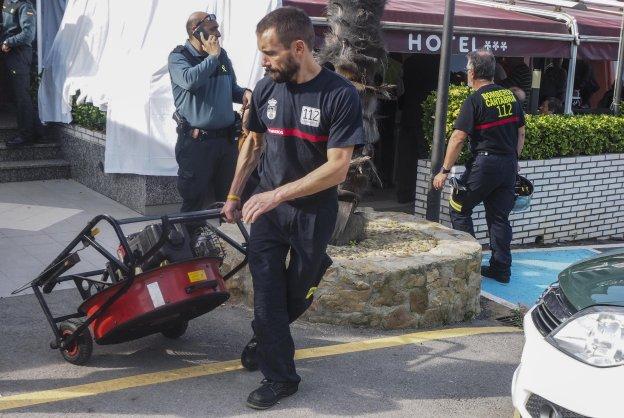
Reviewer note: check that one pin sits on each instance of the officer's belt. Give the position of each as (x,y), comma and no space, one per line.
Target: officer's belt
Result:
(204,134)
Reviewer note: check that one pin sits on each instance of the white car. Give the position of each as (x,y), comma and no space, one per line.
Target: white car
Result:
(573,359)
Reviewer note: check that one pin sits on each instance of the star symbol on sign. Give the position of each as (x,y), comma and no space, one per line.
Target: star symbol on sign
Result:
(495,46)
(488,45)
(503,46)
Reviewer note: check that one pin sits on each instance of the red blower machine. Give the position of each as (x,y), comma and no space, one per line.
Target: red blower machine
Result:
(161,278)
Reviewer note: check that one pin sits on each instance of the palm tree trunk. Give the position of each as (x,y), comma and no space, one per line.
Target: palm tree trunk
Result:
(354,47)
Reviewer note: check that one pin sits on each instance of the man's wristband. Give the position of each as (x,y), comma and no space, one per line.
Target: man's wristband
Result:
(233,197)
(444,170)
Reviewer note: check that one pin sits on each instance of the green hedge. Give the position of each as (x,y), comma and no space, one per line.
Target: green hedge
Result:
(548,136)
(554,136)
(88,116)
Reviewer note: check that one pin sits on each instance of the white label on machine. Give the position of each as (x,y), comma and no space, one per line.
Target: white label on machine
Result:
(155,294)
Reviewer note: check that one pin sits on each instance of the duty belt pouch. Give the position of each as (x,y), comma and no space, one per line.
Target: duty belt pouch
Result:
(181,122)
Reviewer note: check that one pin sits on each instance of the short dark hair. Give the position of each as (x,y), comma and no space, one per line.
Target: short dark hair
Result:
(483,63)
(290,24)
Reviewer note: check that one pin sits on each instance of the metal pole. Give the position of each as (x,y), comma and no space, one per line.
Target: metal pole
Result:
(570,82)
(617,89)
(439,132)
(535,91)
(39,36)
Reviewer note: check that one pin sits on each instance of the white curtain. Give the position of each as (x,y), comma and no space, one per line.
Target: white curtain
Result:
(50,13)
(115,52)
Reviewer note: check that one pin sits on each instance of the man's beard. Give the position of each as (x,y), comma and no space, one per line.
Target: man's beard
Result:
(291,67)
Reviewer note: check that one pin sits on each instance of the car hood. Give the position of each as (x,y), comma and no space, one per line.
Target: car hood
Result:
(597,281)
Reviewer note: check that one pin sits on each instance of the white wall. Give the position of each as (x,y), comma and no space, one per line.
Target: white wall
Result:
(575,198)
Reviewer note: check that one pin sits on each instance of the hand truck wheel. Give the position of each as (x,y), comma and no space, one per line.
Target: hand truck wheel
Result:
(79,351)
(175,330)
(249,356)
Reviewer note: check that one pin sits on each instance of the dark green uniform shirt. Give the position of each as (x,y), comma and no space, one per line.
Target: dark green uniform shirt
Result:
(204,87)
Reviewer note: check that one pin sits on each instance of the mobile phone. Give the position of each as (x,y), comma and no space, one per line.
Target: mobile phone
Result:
(197,33)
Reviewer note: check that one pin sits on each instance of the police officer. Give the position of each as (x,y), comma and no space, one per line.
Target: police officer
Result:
(204,87)
(16,37)
(308,120)
(493,118)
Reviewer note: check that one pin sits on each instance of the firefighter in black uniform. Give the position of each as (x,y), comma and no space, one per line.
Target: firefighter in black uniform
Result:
(16,37)
(305,121)
(493,119)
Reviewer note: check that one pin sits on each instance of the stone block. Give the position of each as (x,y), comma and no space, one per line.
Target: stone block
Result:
(149,195)
(379,285)
(419,300)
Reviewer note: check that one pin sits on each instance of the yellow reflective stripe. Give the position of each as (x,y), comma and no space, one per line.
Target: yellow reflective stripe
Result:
(455,205)
(311,292)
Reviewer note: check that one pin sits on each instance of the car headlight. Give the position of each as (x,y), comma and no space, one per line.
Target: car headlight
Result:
(594,336)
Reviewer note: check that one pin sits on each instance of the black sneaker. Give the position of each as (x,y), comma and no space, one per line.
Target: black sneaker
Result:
(270,393)
(499,276)
(249,356)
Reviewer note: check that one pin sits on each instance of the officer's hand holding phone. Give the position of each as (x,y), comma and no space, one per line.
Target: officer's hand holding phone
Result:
(211,45)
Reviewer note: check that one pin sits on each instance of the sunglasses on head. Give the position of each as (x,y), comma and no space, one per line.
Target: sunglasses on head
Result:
(209,18)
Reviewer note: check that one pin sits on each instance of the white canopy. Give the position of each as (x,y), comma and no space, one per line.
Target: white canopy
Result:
(115,52)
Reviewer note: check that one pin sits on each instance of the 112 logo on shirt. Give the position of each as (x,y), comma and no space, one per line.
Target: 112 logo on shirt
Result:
(310,116)
(272,109)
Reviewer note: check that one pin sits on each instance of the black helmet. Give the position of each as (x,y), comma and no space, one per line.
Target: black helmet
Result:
(523,190)
(456,200)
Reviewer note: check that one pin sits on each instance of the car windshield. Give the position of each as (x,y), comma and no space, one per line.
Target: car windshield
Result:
(598,281)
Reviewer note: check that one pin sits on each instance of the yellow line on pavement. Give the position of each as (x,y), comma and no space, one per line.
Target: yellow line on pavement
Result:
(147,379)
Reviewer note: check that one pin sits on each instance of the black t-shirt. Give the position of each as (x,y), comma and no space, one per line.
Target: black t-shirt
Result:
(300,122)
(491,117)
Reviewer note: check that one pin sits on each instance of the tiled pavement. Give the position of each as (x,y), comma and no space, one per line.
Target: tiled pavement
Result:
(38,219)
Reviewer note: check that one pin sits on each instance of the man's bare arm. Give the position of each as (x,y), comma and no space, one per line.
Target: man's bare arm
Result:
(248,159)
(521,136)
(330,174)
(455,145)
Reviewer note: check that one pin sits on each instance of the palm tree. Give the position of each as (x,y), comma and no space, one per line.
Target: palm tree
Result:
(354,48)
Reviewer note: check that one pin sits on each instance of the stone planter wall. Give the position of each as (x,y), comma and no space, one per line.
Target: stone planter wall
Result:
(575,198)
(408,273)
(149,195)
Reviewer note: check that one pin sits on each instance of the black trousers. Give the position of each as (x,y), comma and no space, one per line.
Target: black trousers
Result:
(18,63)
(490,179)
(283,292)
(205,170)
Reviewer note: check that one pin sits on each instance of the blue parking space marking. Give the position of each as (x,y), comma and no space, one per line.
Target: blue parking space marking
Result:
(532,272)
